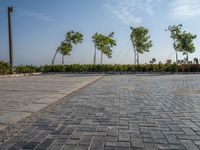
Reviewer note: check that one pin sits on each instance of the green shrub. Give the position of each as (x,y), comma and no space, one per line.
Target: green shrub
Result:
(4,68)
(28,69)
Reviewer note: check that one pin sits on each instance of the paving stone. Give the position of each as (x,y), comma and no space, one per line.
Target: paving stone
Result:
(32,107)
(75,147)
(112,132)
(31,145)
(97,145)
(172,139)
(171,147)
(189,145)
(40,136)
(22,96)
(76,135)
(157,135)
(116,112)
(86,140)
(45,144)
(188,131)
(148,140)
(150,146)
(123,136)
(12,117)
(137,143)
(197,142)
(72,142)
(56,147)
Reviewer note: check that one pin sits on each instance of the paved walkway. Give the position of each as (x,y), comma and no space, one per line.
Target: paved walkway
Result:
(20,97)
(121,112)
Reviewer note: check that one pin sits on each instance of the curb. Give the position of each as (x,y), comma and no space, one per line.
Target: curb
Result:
(20,75)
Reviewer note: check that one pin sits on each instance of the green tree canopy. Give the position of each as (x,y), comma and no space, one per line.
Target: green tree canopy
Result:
(140,40)
(66,46)
(185,43)
(104,44)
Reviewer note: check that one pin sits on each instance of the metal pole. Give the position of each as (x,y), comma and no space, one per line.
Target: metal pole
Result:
(10,11)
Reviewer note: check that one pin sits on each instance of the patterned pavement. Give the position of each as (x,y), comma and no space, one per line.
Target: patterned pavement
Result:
(121,112)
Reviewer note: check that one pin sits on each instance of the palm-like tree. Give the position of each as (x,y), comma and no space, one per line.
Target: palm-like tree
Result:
(65,48)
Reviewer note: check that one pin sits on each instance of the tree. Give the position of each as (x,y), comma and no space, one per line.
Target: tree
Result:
(169,61)
(141,41)
(152,61)
(175,31)
(185,44)
(66,46)
(196,61)
(104,44)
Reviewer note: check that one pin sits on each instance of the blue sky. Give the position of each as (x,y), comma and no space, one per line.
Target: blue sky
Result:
(40,25)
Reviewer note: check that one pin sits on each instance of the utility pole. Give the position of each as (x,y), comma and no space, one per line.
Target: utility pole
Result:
(10,11)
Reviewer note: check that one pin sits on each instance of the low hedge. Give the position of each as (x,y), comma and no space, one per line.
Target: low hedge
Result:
(122,68)
(28,69)
(5,68)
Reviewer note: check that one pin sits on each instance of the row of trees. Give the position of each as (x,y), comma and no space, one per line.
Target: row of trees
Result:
(140,38)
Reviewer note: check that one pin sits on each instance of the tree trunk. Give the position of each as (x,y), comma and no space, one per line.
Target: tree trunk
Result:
(176,57)
(54,57)
(187,58)
(62,59)
(137,58)
(95,51)
(101,58)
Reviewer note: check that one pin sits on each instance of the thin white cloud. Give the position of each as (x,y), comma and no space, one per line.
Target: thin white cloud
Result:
(36,15)
(131,11)
(185,9)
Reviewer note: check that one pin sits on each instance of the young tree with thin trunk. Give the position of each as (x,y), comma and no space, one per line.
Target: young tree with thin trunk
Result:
(185,44)
(104,44)
(65,48)
(175,32)
(141,41)
(196,61)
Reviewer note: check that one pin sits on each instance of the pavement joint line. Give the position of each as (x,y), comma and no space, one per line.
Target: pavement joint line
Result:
(35,115)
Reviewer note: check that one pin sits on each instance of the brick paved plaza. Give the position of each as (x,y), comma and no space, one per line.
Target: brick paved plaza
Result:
(120,112)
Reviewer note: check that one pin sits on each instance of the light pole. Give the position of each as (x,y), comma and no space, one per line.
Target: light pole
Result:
(10,11)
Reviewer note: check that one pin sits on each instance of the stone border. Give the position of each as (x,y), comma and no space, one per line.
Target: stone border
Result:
(97,73)
(11,130)
(20,75)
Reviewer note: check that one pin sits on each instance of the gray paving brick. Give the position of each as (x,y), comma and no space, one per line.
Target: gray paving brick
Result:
(188,131)
(121,112)
(45,144)
(97,145)
(123,136)
(171,147)
(137,143)
(172,139)
(189,145)
(150,146)
(112,132)
(86,140)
